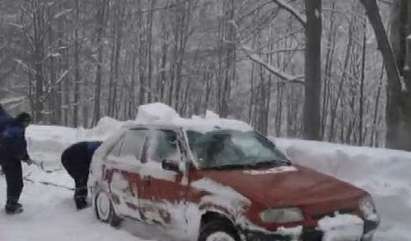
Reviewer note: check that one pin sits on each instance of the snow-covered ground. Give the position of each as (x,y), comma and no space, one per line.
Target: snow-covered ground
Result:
(50,212)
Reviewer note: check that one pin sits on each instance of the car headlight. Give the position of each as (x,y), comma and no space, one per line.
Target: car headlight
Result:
(368,209)
(282,215)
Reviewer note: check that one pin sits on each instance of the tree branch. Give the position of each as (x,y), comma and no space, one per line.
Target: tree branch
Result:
(300,18)
(256,58)
(284,76)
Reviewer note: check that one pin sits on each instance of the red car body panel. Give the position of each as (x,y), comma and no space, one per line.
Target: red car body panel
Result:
(315,193)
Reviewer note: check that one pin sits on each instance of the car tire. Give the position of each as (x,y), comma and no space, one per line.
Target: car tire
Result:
(218,230)
(104,209)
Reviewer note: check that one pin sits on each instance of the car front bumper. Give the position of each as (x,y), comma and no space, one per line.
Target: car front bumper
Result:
(308,234)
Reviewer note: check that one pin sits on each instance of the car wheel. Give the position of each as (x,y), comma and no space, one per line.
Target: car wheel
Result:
(105,211)
(218,230)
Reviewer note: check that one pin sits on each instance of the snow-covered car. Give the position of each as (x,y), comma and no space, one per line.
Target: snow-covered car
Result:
(222,183)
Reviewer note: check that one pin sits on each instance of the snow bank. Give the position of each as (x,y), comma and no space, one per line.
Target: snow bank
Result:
(47,143)
(211,115)
(104,128)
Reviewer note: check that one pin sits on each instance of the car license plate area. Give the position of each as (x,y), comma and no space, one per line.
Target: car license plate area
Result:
(344,233)
(342,227)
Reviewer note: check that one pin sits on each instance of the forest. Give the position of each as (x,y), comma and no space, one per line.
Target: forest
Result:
(325,70)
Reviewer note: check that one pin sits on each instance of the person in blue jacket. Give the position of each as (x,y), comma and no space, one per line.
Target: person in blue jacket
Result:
(76,160)
(13,150)
(4,118)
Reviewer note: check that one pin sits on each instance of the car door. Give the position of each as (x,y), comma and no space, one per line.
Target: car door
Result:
(124,163)
(163,189)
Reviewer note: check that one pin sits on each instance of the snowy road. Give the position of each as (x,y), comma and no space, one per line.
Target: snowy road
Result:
(50,213)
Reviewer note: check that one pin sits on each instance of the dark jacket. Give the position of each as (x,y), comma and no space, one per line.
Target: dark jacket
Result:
(5,119)
(76,158)
(13,143)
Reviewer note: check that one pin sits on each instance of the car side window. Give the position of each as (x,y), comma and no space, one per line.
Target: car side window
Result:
(115,151)
(133,143)
(163,145)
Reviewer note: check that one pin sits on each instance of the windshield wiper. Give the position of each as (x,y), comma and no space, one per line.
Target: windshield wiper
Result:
(229,166)
(262,164)
(270,163)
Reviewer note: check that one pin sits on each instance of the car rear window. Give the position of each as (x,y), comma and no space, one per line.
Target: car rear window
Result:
(163,146)
(133,143)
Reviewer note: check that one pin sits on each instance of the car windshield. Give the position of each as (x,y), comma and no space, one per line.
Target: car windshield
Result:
(234,149)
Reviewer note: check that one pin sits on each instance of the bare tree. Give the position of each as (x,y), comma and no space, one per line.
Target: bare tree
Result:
(398,90)
(244,59)
(100,30)
(312,103)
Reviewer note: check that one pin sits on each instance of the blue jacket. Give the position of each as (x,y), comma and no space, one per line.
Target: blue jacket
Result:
(13,143)
(5,119)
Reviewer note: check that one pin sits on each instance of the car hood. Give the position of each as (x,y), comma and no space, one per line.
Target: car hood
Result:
(286,186)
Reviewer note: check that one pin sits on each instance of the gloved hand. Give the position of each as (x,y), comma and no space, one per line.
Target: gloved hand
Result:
(27,160)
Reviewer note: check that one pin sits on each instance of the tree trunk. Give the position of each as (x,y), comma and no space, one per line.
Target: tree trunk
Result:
(398,108)
(38,56)
(102,5)
(361,111)
(328,69)
(312,103)
(150,50)
(76,68)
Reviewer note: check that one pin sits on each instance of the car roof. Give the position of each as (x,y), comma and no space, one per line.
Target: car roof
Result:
(198,125)
(150,126)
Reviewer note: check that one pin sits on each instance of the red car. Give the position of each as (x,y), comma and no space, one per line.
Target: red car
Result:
(212,183)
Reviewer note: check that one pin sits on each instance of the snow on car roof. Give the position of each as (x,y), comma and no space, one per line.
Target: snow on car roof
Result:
(159,114)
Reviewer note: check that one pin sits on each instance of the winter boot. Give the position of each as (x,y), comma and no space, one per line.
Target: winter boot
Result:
(13,208)
(80,197)
(81,202)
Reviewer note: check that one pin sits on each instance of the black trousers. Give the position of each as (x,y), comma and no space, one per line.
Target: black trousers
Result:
(80,175)
(14,179)
(81,188)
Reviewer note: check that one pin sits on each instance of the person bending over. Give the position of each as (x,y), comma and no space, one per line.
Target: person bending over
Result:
(76,160)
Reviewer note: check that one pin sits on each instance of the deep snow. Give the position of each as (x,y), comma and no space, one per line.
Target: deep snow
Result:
(50,212)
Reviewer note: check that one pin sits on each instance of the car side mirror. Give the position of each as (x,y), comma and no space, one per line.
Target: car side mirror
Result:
(186,167)
(170,166)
